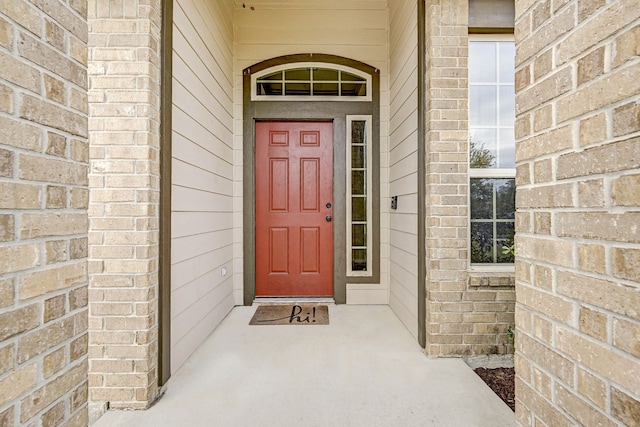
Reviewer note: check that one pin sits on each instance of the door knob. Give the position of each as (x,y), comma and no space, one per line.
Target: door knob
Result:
(328,218)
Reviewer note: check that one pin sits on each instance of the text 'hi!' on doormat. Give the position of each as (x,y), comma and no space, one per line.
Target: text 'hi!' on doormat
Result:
(291,314)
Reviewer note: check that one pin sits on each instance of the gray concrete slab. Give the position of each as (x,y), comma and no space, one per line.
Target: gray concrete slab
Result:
(364,369)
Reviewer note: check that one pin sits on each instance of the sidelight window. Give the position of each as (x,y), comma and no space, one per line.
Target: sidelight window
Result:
(359,196)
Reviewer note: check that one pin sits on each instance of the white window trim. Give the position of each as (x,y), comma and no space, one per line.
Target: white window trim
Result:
(492,173)
(491,268)
(491,38)
(488,173)
(369,193)
(257,76)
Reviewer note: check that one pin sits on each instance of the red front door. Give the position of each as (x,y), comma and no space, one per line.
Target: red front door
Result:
(294,198)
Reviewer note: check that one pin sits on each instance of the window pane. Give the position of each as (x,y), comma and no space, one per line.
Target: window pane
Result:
(507,113)
(507,52)
(298,74)
(273,76)
(350,77)
(481,196)
(354,89)
(492,208)
(359,260)
(505,198)
(482,148)
(482,62)
(481,242)
(325,74)
(326,89)
(505,232)
(358,183)
(357,132)
(269,88)
(297,89)
(358,157)
(482,106)
(359,235)
(507,154)
(359,209)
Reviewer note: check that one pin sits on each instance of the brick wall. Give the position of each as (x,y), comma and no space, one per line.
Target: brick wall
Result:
(123,208)
(43,220)
(467,313)
(578,241)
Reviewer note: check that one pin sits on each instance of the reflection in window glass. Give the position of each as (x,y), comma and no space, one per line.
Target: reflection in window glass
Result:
(273,76)
(357,132)
(492,98)
(482,62)
(506,156)
(358,182)
(298,74)
(358,157)
(353,89)
(359,237)
(325,89)
(504,237)
(507,52)
(297,89)
(507,110)
(324,74)
(483,101)
(481,199)
(358,209)
(348,77)
(359,260)
(482,242)
(492,219)
(482,148)
(267,88)
(505,190)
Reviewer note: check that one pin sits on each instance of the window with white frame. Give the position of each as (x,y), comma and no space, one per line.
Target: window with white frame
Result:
(359,196)
(317,81)
(491,149)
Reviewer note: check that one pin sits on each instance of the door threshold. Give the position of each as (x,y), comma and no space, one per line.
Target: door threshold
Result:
(292,300)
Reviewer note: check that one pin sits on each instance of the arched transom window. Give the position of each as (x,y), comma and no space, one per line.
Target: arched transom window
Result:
(313,81)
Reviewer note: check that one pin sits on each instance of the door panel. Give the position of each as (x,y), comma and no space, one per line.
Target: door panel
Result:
(294,233)
(278,250)
(278,185)
(310,185)
(310,246)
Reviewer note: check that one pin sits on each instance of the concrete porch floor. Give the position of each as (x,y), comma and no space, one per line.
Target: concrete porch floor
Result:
(364,369)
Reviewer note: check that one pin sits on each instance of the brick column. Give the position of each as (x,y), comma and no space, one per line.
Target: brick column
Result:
(124,89)
(577,233)
(43,220)
(464,317)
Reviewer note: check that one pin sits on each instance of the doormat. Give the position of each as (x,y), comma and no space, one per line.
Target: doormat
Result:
(291,314)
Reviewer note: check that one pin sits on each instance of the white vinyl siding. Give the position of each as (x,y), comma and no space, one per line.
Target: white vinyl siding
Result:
(403,162)
(353,29)
(202,175)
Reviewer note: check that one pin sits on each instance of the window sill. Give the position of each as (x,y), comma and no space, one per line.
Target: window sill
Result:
(492,277)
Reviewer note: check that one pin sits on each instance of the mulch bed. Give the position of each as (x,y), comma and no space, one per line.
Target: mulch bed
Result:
(502,382)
